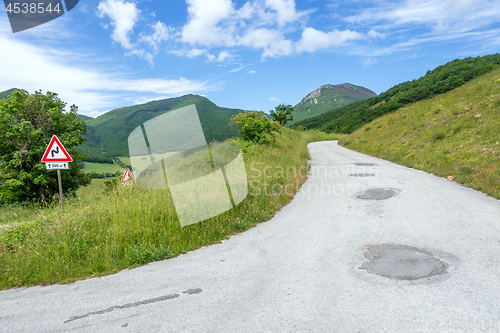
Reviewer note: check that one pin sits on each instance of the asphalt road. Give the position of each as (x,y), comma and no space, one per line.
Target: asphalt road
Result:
(333,260)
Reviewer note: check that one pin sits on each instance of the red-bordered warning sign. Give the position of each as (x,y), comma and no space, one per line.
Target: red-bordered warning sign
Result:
(56,152)
(128,177)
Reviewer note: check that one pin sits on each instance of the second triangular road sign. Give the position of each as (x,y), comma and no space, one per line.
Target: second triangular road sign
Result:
(128,177)
(56,152)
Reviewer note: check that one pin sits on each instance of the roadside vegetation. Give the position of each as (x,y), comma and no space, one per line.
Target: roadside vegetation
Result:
(108,227)
(454,135)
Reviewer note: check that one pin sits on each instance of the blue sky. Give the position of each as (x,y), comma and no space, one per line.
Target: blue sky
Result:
(248,54)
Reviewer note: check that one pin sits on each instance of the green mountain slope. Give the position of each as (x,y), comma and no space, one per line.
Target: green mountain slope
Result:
(108,133)
(7,93)
(84,117)
(440,80)
(329,97)
(455,134)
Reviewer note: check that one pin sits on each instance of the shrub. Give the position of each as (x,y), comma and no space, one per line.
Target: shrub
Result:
(255,127)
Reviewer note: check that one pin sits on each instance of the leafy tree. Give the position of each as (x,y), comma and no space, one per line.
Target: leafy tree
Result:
(27,123)
(282,113)
(255,126)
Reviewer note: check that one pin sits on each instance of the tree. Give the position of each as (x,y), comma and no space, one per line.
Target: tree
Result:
(27,123)
(282,113)
(255,126)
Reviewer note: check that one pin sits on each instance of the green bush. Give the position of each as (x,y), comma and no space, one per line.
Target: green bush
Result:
(256,127)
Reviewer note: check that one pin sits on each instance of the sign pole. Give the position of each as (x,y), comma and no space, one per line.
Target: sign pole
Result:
(60,188)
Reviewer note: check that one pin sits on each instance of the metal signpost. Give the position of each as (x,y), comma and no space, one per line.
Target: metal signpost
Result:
(56,157)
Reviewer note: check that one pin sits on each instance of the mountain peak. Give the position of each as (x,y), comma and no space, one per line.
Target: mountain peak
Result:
(329,97)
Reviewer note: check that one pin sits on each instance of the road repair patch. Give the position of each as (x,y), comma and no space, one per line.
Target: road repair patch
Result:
(364,164)
(377,194)
(402,262)
(362,175)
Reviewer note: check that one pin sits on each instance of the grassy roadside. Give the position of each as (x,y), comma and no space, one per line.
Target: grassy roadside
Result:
(455,134)
(101,233)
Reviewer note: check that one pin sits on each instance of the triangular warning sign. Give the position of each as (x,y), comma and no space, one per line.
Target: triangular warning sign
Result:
(128,177)
(56,152)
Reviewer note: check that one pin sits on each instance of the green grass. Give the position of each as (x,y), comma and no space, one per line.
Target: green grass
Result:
(454,134)
(102,167)
(104,232)
(125,160)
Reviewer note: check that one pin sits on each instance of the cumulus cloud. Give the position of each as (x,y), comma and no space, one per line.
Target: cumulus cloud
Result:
(284,9)
(123,16)
(204,22)
(275,28)
(265,25)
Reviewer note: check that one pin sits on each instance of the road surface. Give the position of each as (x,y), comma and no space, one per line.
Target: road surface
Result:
(361,248)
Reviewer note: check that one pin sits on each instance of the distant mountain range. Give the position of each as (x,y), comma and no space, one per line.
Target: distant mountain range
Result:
(329,97)
(107,135)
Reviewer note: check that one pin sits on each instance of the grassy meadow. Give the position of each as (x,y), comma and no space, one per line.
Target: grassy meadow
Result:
(108,227)
(102,168)
(455,134)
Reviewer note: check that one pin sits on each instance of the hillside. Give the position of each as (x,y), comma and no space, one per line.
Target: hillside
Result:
(7,93)
(84,117)
(455,134)
(329,97)
(438,81)
(108,134)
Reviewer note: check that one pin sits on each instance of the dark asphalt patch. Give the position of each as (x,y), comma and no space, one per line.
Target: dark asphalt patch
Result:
(377,194)
(361,174)
(402,262)
(364,164)
(192,291)
(133,305)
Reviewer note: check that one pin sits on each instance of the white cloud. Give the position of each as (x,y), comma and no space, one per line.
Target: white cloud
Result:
(437,14)
(374,34)
(411,23)
(143,54)
(93,90)
(160,33)
(313,40)
(271,42)
(368,62)
(252,72)
(123,16)
(237,69)
(223,56)
(258,24)
(285,10)
(205,18)
(195,53)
